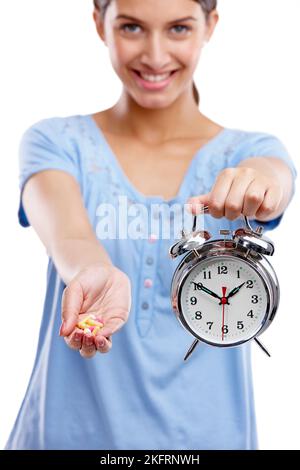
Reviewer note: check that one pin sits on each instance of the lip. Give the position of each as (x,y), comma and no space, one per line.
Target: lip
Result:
(153,85)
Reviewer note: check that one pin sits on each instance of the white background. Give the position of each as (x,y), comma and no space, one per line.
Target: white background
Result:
(53,64)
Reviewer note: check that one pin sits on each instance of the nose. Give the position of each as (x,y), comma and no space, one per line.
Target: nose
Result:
(156,56)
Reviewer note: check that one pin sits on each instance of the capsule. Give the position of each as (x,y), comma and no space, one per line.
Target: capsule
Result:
(92,322)
(96,329)
(89,322)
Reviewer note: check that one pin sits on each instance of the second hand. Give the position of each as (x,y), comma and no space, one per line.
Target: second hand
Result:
(224,301)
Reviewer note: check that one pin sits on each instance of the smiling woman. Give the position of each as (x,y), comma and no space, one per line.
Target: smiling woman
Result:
(143,158)
(207,6)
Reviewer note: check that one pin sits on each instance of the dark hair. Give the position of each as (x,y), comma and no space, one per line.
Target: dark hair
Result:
(207,6)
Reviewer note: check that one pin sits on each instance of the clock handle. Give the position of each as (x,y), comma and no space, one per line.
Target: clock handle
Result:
(246,220)
(191,349)
(259,229)
(205,209)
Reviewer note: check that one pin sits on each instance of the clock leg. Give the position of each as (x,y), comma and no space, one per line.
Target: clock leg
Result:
(191,349)
(262,347)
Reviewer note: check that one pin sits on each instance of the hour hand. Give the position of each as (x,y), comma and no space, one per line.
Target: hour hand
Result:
(235,290)
(200,286)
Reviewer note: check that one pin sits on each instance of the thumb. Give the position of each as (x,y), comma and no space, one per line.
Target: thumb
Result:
(72,300)
(196,204)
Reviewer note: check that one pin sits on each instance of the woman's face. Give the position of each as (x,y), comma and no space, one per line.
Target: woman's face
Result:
(155,41)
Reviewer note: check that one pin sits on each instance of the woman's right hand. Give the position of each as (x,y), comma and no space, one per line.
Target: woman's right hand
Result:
(102,290)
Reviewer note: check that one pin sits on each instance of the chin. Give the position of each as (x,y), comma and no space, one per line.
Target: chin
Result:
(153,102)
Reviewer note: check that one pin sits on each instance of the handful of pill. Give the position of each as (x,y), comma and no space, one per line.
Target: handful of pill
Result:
(91,325)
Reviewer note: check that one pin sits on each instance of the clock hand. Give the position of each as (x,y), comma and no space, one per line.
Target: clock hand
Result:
(235,290)
(208,291)
(223,302)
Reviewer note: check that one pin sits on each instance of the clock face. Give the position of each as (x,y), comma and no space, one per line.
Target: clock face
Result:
(224,300)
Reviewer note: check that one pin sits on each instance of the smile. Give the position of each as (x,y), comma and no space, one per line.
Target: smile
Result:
(153,82)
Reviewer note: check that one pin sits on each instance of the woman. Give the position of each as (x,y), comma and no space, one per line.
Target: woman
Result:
(155,149)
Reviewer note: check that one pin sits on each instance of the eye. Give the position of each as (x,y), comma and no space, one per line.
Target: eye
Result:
(124,27)
(130,28)
(186,28)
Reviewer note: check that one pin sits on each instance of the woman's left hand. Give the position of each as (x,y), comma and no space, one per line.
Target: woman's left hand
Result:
(241,190)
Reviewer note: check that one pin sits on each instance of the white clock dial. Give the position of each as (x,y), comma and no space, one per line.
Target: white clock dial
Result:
(224,300)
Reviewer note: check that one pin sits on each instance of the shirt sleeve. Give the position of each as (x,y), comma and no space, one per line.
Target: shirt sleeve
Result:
(43,146)
(265,145)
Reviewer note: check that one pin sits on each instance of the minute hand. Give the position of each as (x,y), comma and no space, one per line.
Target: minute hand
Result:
(235,290)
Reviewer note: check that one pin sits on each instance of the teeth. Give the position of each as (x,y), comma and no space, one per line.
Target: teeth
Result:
(155,78)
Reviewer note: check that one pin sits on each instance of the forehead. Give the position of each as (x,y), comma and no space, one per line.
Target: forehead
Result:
(156,11)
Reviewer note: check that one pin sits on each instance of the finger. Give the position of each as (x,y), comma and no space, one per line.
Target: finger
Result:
(72,299)
(88,348)
(220,191)
(103,344)
(196,204)
(74,340)
(270,203)
(111,326)
(254,197)
(235,197)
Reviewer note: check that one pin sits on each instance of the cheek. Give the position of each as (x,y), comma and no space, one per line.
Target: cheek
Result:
(189,53)
(122,52)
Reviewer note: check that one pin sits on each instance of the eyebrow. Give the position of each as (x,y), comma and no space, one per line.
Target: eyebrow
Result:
(128,17)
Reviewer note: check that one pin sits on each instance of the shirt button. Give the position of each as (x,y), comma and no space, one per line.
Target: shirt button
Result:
(148,283)
(149,260)
(145,305)
(152,238)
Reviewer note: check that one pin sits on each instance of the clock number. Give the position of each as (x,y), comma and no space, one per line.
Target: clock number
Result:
(238,274)
(240,325)
(222,270)
(210,323)
(198,315)
(250,314)
(207,274)
(249,284)
(197,285)
(225,329)
(254,299)
(193,300)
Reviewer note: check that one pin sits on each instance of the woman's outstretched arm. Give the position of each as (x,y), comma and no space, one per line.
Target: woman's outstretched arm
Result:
(54,207)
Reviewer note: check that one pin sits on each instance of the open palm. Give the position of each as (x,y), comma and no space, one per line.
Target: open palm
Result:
(100,290)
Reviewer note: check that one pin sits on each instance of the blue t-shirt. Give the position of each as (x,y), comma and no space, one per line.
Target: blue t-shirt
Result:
(140,395)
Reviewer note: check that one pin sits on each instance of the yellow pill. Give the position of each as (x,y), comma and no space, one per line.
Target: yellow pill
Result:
(95,330)
(92,322)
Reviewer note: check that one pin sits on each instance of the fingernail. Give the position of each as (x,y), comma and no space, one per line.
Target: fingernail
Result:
(89,340)
(77,337)
(101,343)
(61,330)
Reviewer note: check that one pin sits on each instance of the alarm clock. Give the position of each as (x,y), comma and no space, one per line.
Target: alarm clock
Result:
(224,291)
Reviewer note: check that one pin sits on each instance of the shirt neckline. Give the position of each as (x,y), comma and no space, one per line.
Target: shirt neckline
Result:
(183,192)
